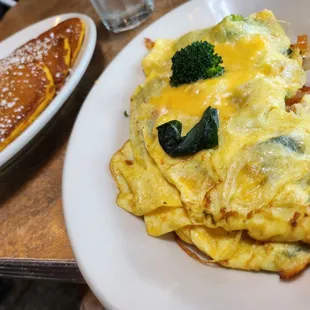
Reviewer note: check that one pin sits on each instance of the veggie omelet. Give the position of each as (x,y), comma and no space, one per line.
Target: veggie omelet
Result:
(244,198)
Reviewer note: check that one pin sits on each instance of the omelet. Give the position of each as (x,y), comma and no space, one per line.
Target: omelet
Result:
(238,251)
(142,187)
(255,184)
(235,249)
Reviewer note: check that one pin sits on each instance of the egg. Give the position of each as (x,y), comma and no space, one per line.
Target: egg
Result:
(142,188)
(238,251)
(245,203)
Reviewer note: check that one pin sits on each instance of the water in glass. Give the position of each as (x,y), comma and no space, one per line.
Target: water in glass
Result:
(121,15)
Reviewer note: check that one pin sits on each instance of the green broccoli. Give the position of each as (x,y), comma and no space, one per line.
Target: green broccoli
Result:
(194,62)
(237,17)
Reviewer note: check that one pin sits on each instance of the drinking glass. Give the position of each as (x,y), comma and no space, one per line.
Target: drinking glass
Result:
(121,15)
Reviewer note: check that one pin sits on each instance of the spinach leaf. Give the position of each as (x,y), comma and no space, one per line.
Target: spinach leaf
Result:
(204,135)
(289,143)
(289,51)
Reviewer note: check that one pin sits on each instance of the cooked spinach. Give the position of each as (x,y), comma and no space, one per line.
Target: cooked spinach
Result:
(289,51)
(204,135)
(237,18)
(289,143)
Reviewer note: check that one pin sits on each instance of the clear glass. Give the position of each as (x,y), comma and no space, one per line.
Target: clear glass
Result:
(121,15)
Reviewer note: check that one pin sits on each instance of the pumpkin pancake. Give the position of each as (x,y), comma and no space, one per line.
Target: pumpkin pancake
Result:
(25,91)
(73,29)
(31,74)
(55,53)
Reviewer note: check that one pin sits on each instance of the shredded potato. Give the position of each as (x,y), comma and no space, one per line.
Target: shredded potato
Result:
(302,42)
(298,96)
(149,44)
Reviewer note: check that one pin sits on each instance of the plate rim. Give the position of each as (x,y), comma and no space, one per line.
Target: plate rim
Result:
(79,68)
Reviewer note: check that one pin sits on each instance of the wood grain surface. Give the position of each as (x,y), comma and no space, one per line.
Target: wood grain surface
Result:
(31,219)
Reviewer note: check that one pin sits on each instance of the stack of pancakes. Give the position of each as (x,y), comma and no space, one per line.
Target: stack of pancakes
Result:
(33,73)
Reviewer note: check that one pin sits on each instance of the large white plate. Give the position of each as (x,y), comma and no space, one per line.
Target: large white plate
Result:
(126,268)
(77,71)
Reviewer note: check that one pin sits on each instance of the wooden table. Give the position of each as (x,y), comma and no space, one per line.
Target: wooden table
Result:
(33,239)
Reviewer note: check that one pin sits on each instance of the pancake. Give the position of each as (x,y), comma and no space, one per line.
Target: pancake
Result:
(31,75)
(73,29)
(55,53)
(26,89)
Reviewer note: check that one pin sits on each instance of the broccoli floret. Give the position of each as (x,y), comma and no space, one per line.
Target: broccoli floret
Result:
(194,62)
(237,17)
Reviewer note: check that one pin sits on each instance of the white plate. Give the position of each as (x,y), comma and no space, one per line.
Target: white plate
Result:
(126,268)
(77,71)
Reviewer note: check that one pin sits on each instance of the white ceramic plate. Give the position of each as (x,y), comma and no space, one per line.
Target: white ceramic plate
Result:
(126,268)
(77,71)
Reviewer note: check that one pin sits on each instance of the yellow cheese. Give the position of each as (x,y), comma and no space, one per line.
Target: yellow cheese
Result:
(242,63)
